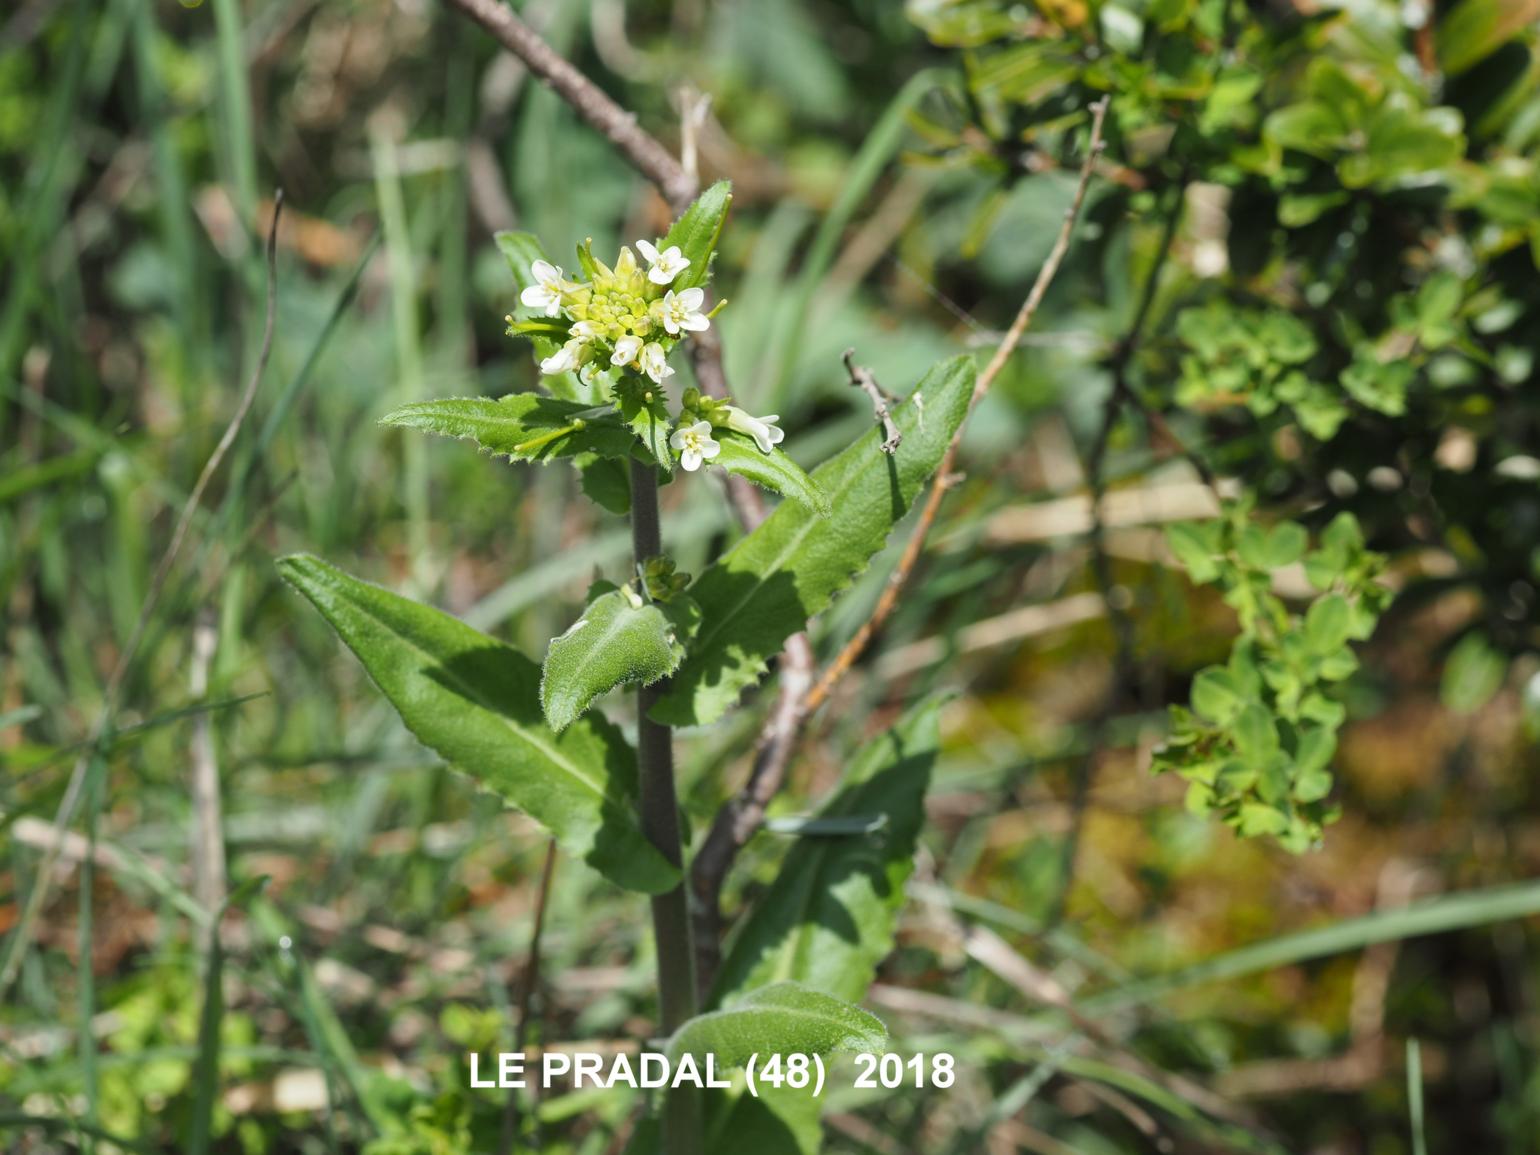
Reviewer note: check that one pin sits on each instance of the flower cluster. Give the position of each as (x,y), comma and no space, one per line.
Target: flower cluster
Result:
(626,320)
(703,415)
(624,316)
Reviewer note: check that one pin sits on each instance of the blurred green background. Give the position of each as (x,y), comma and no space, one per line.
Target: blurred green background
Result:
(899,173)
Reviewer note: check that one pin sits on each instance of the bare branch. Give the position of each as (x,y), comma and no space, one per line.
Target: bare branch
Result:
(740,817)
(916,544)
(529,984)
(861,377)
(21,936)
(737,821)
(643,150)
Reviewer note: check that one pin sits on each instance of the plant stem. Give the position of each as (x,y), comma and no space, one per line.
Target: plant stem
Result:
(660,823)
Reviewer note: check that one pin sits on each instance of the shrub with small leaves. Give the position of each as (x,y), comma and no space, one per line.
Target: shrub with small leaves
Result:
(1257,740)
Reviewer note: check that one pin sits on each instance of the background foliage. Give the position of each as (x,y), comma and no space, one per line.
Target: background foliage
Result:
(1307,271)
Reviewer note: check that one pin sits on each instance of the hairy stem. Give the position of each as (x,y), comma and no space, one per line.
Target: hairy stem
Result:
(660,823)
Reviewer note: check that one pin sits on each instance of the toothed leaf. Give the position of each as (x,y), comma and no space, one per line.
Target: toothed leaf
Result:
(773,471)
(649,421)
(784,1019)
(476,703)
(522,426)
(767,586)
(621,638)
(696,234)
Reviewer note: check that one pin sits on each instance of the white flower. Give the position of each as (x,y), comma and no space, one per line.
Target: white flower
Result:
(665,266)
(763,430)
(680,312)
(564,360)
(655,362)
(584,330)
(693,443)
(546,292)
(627,350)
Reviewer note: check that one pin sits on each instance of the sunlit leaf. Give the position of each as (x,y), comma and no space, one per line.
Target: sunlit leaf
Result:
(476,702)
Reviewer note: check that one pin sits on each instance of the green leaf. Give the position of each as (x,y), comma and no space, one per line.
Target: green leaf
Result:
(1477,28)
(1255,733)
(786,1018)
(1473,674)
(476,702)
(828,919)
(1196,546)
(767,586)
(606,481)
(1327,624)
(1312,785)
(1216,695)
(620,639)
(774,470)
(696,233)
(1257,819)
(643,409)
(521,426)
(1286,544)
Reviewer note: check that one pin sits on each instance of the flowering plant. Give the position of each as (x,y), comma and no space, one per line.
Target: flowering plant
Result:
(604,341)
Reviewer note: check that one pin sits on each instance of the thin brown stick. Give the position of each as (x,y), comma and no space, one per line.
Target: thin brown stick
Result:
(72,792)
(741,815)
(915,546)
(508,1141)
(862,378)
(645,152)
(737,821)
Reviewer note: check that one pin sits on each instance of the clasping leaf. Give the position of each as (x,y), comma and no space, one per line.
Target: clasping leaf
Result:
(521,426)
(475,702)
(786,1018)
(621,638)
(773,471)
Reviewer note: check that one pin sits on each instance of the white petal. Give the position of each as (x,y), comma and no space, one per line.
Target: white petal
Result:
(710,448)
(648,250)
(695,323)
(690,459)
(692,298)
(545,272)
(626,350)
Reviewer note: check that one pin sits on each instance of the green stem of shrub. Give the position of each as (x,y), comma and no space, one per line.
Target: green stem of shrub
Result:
(660,823)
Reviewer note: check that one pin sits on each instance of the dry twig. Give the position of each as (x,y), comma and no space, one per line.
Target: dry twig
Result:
(741,817)
(916,544)
(862,378)
(644,151)
(530,983)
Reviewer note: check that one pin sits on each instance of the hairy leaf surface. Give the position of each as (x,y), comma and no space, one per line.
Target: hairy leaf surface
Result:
(767,586)
(476,703)
(786,1018)
(827,921)
(650,421)
(773,471)
(522,426)
(620,639)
